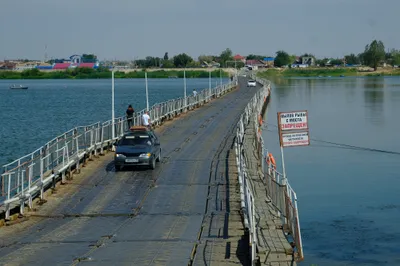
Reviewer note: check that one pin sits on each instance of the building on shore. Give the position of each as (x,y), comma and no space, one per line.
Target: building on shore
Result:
(7,65)
(269,61)
(240,58)
(255,64)
(74,61)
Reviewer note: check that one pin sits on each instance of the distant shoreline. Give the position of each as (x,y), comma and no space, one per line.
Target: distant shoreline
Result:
(87,73)
(329,72)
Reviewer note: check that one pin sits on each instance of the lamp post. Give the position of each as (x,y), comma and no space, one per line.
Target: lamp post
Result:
(234,61)
(112,109)
(112,105)
(147,92)
(184,85)
(220,76)
(209,79)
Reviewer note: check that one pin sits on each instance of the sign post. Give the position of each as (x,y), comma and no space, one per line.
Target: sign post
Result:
(293,131)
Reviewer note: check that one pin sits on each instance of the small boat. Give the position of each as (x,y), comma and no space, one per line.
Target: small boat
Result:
(20,87)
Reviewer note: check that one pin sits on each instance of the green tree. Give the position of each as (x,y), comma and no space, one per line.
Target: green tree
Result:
(360,57)
(193,64)
(140,63)
(281,59)
(307,55)
(393,57)
(89,58)
(205,58)
(149,62)
(396,58)
(226,55)
(34,72)
(167,64)
(322,62)
(101,69)
(336,62)
(374,54)
(255,57)
(182,60)
(292,58)
(352,59)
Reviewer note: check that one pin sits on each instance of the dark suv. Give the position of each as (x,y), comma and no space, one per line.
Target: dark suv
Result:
(139,146)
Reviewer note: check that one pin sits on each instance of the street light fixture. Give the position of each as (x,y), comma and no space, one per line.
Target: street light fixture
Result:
(235,61)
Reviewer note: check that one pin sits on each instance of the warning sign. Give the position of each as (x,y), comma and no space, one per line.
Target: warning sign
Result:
(297,120)
(295,139)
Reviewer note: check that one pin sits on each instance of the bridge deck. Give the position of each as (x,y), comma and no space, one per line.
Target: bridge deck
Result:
(273,247)
(140,216)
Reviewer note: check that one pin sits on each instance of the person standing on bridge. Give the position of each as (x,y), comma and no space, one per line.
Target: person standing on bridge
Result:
(129,115)
(194,93)
(146,119)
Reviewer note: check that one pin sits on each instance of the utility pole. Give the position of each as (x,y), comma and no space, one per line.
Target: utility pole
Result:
(184,85)
(147,92)
(112,105)
(209,79)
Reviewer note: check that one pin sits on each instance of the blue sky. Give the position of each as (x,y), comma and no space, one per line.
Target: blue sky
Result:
(124,29)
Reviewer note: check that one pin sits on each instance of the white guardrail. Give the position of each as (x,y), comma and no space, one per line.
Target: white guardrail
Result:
(282,196)
(30,175)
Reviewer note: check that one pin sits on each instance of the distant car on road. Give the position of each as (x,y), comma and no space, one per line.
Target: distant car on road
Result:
(251,83)
(139,146)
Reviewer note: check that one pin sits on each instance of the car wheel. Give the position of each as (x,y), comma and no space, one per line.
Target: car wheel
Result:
(153,164)
(159,157)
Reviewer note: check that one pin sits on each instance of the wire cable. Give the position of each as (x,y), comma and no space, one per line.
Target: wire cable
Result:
(341,145)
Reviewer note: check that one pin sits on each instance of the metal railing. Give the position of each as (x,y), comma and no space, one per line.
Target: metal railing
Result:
(246,192)
(281,194)
(30,175)
(284,198)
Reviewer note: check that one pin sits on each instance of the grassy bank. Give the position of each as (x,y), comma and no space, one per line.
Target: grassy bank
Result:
(88,73)
(325,72)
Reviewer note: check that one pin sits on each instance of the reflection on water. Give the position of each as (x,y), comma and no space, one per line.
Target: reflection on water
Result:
(50,107)
(374,101)
(348,198)
(374,97)
(350,84)
(374,83)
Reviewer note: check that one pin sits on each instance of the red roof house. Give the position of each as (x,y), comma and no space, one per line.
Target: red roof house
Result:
(238,57)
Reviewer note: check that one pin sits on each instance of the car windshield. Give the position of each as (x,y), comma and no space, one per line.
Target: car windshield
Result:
(251,81)
(135,140)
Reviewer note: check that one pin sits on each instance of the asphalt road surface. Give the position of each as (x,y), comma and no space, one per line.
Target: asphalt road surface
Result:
(136,216)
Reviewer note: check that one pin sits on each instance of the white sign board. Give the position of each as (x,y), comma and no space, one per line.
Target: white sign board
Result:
(297,120)
(295,139)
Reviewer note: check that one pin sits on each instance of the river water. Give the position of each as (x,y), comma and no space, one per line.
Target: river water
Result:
(32,117)
(348,199)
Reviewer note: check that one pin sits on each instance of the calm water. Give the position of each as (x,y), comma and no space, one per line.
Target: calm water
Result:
(50,107)
(349,199)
